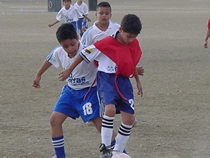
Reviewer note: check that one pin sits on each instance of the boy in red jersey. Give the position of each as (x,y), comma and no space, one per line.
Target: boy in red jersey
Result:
(117,56)
(207,35)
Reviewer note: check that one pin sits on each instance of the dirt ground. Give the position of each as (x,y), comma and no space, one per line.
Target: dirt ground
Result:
(174,114)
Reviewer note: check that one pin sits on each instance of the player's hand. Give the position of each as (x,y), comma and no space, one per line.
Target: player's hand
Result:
(83,28)
(89,20)
(205,44)
(50,25)
(64,75)
(140,89)
(140,70)
(36,82)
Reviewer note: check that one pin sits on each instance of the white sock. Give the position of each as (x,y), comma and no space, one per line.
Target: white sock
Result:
(122,137)
(106,130)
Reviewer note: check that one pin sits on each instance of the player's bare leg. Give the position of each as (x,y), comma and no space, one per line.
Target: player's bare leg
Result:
(56,121)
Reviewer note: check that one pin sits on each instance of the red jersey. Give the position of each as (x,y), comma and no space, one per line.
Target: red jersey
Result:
(126,57)
(209,24)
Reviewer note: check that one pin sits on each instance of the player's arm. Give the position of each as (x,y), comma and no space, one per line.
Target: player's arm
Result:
(50,25)
(138,84)
(88,54)
(206,38)
(85,16)
(44,67)
(65,74)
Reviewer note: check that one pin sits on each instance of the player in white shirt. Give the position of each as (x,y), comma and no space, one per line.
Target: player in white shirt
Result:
(68,13)
(82,21)
(102,28)
(79,97)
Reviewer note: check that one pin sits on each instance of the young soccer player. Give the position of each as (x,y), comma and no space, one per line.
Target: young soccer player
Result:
(117,57)
(68,13)
(207,35)
(103,27)
(82,21)
(71,102)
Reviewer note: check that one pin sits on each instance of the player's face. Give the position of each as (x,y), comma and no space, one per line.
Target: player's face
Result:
(67,4)
(70,46)
(103,15)
(126,37)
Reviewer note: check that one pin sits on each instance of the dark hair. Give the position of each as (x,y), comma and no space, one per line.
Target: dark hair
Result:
(66,31)
(66,0)
(104,4)
(131,24)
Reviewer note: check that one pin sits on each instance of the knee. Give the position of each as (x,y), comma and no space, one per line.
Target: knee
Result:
(129,120)
(55,121)
(110,110)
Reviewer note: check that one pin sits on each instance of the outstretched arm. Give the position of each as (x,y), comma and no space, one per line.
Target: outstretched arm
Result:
(44,67)
(50,25)
(65,74)
(206,38)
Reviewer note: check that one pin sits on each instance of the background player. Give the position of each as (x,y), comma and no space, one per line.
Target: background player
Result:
(102,27)
(207,35)
(82,24)
(68,13)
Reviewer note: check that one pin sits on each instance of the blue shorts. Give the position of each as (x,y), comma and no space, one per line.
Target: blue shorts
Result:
(79,23)
(74,23)
(72,104)
(85,24)
(108,94)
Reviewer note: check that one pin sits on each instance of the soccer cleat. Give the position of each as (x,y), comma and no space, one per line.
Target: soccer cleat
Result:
(106,152)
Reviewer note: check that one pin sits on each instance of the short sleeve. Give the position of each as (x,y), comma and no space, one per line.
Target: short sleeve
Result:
(53,58)
(90,53)
(87,39)
(85,9)
(60,15)
(209,24)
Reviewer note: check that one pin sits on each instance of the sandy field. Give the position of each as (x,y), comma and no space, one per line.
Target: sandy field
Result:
(174,113)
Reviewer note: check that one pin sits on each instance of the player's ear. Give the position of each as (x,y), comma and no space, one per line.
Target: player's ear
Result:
(120,29)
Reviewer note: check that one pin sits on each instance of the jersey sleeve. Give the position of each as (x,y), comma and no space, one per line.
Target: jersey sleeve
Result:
(87,38)
(90,53)
(209,24)
(60,15)
(53,58)
(85,9)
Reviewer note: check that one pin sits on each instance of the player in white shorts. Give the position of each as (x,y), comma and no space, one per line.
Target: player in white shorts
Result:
(68,13)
